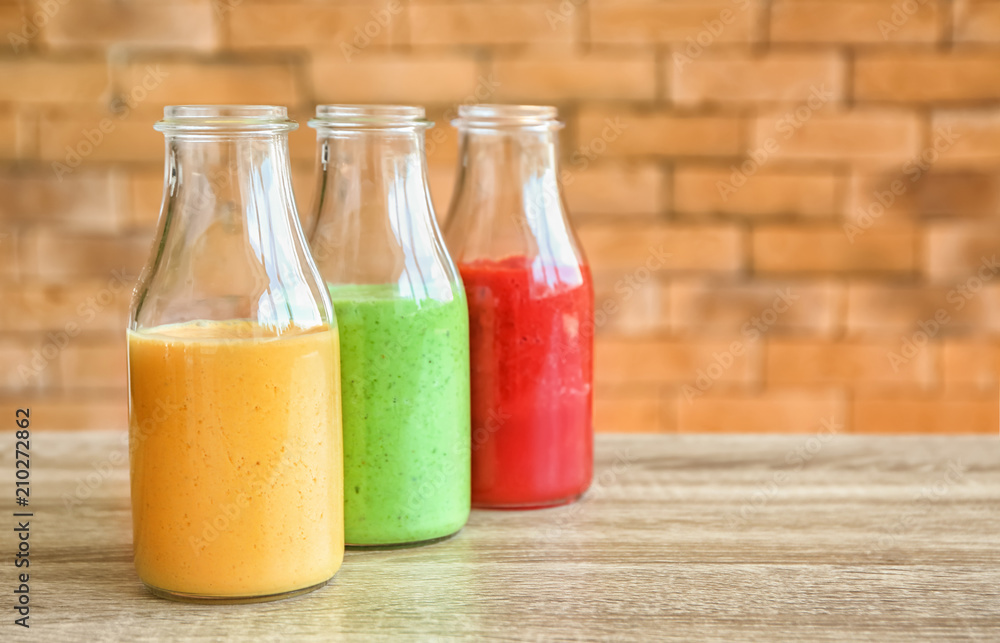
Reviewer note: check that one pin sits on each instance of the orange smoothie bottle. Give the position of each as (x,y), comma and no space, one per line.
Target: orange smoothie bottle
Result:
(236,451)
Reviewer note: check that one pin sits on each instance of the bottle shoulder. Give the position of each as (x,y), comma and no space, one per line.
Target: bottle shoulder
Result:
(219,275)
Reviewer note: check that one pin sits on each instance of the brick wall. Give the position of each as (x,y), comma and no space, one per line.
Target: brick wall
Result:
(780,199)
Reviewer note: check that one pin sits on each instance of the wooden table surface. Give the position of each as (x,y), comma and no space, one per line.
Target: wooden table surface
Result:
(682,537)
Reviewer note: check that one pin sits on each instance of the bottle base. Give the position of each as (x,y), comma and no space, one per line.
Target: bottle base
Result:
(527,506)
(230,600)
(402,545)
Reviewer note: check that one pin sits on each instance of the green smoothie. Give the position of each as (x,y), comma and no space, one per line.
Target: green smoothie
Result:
(405,380)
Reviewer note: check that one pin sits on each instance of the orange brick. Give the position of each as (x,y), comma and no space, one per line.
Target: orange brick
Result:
(977,21)
(94,364)
(977,135)
(441,178)
(10,133)
(633,414)
(626,133)
(613,189)
(972,366)
(755,309)
(146,192)
(919,195)
(873,136)
(562,77)
(55,255)
(9,260)
(619,361)
(349,29)
(783,411)
(852,21)
(302,146)
(485,24)
(442,139)
(83,200)
(906,313)
(882,248)
(631,247)
(49,81)
(444,79)
(609,389)
(91,304)
(27,138)
(710,190)
(8,136)
(77,413)
(186,24)
(867,364)
(638,21)
(952,415)
(304,186)
(68,140)
(181,83)
(15,21)
(773,77)
(24,367)
(629,309)
(905,77)
(958,251)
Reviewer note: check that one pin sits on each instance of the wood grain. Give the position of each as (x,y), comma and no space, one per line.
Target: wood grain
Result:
(681,538)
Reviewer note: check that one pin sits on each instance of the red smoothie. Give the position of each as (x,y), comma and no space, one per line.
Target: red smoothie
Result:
(532,381)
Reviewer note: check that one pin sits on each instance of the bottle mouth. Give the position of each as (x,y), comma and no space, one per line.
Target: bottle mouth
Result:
(507,117)
(225,118)
(365,117)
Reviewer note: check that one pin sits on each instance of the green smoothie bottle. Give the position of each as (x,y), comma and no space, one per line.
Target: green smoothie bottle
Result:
(404,328)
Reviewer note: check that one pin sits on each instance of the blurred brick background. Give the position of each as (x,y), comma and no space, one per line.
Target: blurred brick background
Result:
(822,174)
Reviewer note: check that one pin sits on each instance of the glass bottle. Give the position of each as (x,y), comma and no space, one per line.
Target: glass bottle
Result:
(403,327)
(234,395)
(530,310)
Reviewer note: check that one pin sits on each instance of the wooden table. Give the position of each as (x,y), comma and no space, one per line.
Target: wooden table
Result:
(812,537)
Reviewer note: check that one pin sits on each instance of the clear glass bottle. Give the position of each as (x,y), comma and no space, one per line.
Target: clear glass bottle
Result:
(403,327)
(531,310)
(234,394)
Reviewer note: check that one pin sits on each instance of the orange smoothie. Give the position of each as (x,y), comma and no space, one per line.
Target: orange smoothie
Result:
(236,458)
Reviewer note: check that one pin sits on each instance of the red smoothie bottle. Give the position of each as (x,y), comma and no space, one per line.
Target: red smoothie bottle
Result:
(531,310)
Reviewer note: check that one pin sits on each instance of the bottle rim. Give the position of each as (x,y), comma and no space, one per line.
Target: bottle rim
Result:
(264,119)
(497,116)
(365,117)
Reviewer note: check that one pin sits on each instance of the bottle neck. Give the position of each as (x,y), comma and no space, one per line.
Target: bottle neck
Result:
(508,199)
(228,177)
(229,232)
(375,222)
(376,175)
(521,163)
